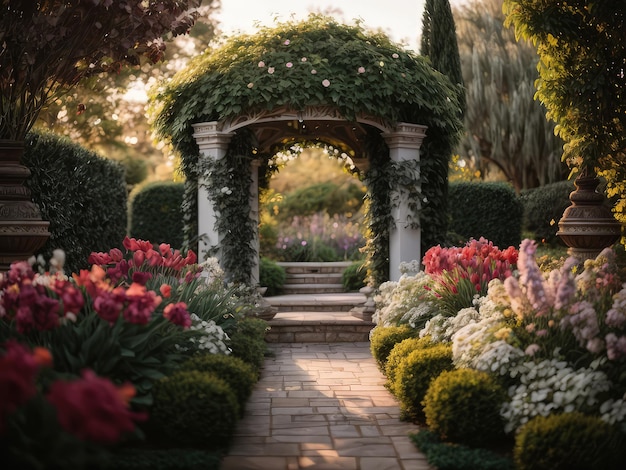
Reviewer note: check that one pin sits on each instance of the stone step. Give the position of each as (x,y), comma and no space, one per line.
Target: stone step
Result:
(313,278)
(312,289)
(314,267)
(316,327)
(317,302)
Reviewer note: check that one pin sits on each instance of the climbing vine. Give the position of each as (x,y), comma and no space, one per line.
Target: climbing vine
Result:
(319,62)
(228,186)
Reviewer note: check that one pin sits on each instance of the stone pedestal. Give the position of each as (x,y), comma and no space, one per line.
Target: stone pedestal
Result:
(22,230)
(588,226)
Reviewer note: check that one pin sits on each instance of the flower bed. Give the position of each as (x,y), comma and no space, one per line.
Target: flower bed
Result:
(81,356)
(556,341)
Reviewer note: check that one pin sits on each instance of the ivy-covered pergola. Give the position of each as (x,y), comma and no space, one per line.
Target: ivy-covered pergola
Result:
(311,82)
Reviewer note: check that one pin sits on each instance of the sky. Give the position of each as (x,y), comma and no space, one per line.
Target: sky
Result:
(400,19)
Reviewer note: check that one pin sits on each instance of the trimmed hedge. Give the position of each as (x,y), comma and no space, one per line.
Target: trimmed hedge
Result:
(237,373)
(82,194)
(543,208)
(569,441)
(463,406)
(384,338)
(156,214)
(491,210)
(193,409)
(272,276)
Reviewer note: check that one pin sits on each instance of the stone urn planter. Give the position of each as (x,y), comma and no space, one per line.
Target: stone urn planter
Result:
(588,226)
(22,230)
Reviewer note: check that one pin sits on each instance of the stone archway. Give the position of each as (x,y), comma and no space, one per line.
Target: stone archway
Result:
(318,123)
(348,87)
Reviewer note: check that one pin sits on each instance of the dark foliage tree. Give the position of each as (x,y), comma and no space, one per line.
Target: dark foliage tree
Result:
(439,43)
(505,127)
(582,80)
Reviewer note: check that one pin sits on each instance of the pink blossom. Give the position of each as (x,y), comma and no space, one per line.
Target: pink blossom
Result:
(289,65)
(270,70)
(326,83)
(177,314)
(361,70)
(286,43)
(261,64)
(92,408)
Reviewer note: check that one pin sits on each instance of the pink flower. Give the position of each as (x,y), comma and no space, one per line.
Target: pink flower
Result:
(304,59)
(286,43)
(361,70)
(166,290)
(270,70)
(261,64)
(132,244)
(177,314)
(141,277)
(18,369)
(92,408)
(109,304)
(289,65)
(313,71)
(394,55)
(326,83)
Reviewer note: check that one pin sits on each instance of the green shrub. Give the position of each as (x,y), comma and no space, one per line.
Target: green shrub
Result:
(414,374)
(247,341)
(399,352)
(132,458)
(491,210)
(82,195)
(156,213)
(463,406)
(384,338)
(570,441)
(354,276)
(317,251)
(543,208)
(239,375)
(193,409)
(272,276)
(135,170)
(445,456)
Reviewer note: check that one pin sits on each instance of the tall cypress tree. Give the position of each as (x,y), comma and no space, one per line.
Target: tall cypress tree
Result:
(440,45)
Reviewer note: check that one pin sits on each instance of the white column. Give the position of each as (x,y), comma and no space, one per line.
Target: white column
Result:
(404,242)
(213,144)
(254,215)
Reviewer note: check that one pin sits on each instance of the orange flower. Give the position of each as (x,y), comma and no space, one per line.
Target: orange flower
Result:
(42,357)
(166,290)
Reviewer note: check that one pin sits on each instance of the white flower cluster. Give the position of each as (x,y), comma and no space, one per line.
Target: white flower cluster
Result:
(613,411)
(552,386)
(498,358)
(212,270)
(410,267)
(214,338)
(441,327)
(469,342)
(395,300)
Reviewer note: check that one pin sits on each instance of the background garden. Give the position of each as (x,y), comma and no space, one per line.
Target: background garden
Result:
(511,353)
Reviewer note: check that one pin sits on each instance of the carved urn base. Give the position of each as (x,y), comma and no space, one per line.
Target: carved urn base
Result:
(22,230)
(588,226)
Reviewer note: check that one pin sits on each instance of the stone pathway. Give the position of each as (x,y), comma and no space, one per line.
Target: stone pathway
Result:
(322,406)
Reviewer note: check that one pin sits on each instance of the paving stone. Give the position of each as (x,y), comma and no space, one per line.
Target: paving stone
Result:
(322,406)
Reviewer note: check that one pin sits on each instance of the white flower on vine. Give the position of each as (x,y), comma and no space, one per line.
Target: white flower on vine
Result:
(226,190)
(270,70)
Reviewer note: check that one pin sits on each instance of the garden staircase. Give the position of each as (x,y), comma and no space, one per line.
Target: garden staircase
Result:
(314,278)
(314,308)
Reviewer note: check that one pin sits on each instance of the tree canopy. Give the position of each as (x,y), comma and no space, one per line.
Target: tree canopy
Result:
(582,79)
(310,63)
(51,44)
(505,127)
